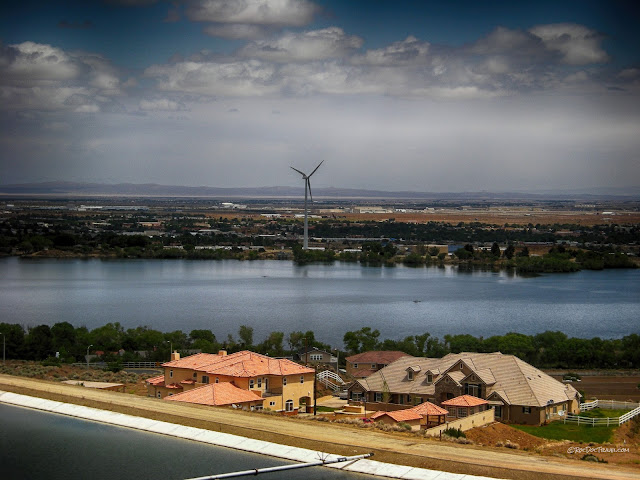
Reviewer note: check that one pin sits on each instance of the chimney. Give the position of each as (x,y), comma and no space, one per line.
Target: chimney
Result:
(222,353)
(175,355)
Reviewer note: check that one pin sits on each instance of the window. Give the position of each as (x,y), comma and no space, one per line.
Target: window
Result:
(378,396)
(472,389)
(462,412)
(195,375)
(498,411)
(409,374)
(205,378)
(284,381)
(408,398)
(251,382)
(356,396)
(526,410)
(355,365)
(259,382)
(266,383)
(301,378)
(373,366)
(429,378)
(316,357)
(217,380)
(170,373)
(272,404)
(159,395)
(555,409)
(461,366)
(288,406)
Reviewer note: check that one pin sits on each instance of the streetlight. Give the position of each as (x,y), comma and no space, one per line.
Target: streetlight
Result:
(3,346)
(170,347)
(87,357)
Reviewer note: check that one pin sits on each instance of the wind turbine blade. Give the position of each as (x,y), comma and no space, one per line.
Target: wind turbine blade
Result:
(309,185)
(314,170)
(301,173)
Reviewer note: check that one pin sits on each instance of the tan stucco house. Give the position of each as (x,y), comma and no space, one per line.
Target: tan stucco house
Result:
(279,384)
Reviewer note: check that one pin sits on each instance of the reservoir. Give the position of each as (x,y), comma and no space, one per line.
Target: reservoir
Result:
(329,299)
(36,444)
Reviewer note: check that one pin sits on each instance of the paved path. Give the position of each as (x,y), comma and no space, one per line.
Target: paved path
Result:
(331,438)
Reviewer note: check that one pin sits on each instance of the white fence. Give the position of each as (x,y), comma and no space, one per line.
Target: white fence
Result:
(607,421)
(609,404)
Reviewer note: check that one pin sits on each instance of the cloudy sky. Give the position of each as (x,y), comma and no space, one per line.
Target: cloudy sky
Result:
(394,95)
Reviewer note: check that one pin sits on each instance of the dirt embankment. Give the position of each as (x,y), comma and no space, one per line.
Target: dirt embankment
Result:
(405,449)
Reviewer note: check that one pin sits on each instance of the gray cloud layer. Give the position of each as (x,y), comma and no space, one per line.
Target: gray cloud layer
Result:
(522,109)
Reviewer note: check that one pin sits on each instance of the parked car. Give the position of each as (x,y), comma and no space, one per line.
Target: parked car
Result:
(344,395)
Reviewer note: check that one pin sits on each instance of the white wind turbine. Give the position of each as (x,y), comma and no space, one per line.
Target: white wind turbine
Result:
(307,186)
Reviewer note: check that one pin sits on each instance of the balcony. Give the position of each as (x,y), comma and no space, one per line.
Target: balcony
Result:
(272,392)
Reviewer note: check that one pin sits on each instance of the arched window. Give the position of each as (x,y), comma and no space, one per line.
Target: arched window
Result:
(288,406)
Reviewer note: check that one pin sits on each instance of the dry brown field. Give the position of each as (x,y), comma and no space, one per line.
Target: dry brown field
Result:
(609,387)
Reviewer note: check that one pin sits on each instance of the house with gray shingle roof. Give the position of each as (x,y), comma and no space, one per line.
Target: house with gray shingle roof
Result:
(519,392)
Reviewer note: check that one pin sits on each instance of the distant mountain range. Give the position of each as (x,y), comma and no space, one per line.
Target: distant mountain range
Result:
(78,189)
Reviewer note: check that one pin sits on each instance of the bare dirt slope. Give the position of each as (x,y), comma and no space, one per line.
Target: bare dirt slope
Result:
(332,438)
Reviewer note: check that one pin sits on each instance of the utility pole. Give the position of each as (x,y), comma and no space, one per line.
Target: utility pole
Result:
(88,355)
(3,346)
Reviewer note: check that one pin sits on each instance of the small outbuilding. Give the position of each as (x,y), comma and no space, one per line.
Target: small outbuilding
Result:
(407,416)
(465,405)
(431,414)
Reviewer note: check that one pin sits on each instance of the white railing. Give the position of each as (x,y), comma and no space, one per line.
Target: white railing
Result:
(140,364)
(330,380)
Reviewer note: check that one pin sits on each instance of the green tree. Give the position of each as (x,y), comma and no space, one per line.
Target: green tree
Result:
(64,336)
(273,345)
(509,252)
(495,250)
(362,340)
(246,335)
(13,338)
(39,343)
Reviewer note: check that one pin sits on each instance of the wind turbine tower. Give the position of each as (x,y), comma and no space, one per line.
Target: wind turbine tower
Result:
(307,187)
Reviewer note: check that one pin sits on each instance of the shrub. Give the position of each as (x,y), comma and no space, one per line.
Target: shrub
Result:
(404,426)
(454,433)
(509,444)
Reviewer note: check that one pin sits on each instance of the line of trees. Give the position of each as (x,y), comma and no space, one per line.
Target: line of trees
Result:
(544,350)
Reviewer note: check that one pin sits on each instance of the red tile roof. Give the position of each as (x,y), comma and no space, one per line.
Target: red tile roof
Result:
(157,381)
(398,415)
(241,364)
(377,356)
(428,408)
(216,394)
(464,401)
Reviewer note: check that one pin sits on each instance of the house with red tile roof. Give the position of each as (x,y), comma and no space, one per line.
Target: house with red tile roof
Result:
(283,385)
(364,364)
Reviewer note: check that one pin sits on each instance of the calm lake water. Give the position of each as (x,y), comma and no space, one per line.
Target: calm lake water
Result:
(36,444)
(328,299)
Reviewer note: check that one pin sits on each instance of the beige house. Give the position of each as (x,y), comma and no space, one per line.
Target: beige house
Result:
(519,392)
(282,385)
(361,365)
